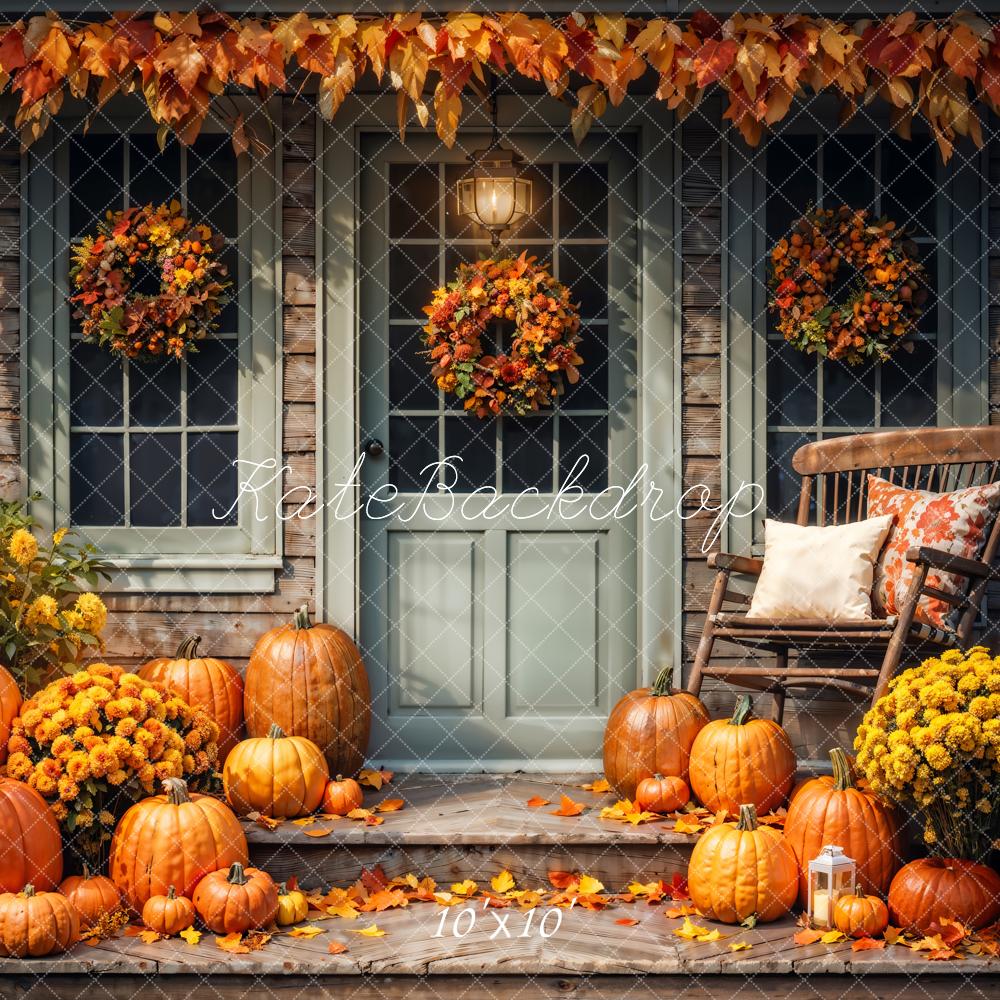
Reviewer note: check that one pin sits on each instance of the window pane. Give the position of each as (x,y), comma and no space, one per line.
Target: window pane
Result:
(410,382)
(413,200)
(581,437)
(413,445)
(229,319)
(212,383)
(909,179)
(413,276)
(909,387)
(583,200)
(471,443)
(591,391)
(154,393)
(848,170)
(791,181)
(97,479)
(848,394)
(97,181)
(211,187)
(527,454)
(154,177)
(155,480)
(585,269)
(95,380)
(791,385)
(783,482)
(212,479)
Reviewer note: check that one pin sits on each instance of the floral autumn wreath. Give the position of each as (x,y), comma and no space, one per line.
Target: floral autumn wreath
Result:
(180,254)
(546,332)
(884,298)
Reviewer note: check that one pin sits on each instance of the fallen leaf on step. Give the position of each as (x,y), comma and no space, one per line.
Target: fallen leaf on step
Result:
(320,831)
(390,805)
(372,931)
(503,882)
(626,811)
(233,943)
(739,946)
(536,800)
(942,955)
(305,931)
(833,936)
(567,807)
(710,936)
(374,778)
(370,819)
(304,821)
(336,948)
(689,930)
(600,785)
(268,822)
(894,935)
(255,940)
(190,935)
(867,944)
(679,911)
(807,936)
(627,921)
(685,825)
(466,888)
(151,937)
(589,886)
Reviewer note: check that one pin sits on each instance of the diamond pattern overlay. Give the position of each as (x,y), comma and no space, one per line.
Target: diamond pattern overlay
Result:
(491,645)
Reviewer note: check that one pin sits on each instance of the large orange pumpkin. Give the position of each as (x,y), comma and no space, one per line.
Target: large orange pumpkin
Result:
(30,845)
(10,705)
(742,870)
(92,895)
(650,731)
(33,924)
(173,839)
(309,680)
(740,760)
(236,901)
(928,889)
(832,810)
(276,775)
(203,682)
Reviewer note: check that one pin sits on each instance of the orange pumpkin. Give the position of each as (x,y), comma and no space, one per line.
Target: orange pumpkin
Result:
(30,844)
(276,775)
(661,794)
(92,895)
(33,924)
(833,810)
(341,796)
(928,889)
(650,731)
(10,706)
(169,914)
(742,870)
(203,682)
(173,839)
(239,900)
(860,916)
(309,679)
(739,760)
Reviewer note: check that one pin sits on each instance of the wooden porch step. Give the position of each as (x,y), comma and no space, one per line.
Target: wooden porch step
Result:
(453,827)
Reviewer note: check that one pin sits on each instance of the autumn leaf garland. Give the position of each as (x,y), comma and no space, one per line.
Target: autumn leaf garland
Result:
(939,70)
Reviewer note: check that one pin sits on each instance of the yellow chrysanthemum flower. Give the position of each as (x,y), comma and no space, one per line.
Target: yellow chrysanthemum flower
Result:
(23,547)
(43,610)
(94,614)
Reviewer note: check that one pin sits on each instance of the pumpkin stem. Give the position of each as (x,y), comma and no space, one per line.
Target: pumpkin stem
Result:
(301,617)
(28,890)
(742,711)
(748,817)
(86,871)
(842,776)
(171,892)
(188,649)
(275,732)
(283,889)
(661,685)
(340,777)
(236,875)
(176,791)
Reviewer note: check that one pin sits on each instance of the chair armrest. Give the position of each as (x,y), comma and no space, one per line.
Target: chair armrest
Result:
(950,563)
(735,564)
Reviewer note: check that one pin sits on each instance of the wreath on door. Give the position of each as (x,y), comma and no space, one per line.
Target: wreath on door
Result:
(173,253)
(881,303)
(542,350)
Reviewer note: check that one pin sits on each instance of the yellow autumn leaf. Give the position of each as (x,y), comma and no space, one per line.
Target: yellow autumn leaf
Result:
(710,936)
(689,930)
(503,882)
(644,889)
(600,785)
(685,825)
(305,931)
(190,935)
(371,931)
(150,937)
(589,886)
(345,909)
(448,899)
(739,946)
(466,888)
(832,937)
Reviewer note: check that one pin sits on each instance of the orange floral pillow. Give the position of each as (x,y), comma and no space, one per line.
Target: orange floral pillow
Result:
(957,523)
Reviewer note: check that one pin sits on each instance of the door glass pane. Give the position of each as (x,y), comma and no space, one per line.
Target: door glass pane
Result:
(585,269)
(413,276)
(410,382)
(527,454)
(155,480)
(413,446)
(211,479)
(97,479)
(791,385)
(909,387)
(211,188)
(413,200)
(583,200)
(96,168)
(471,444)
(154,393)
(783,482)
(212,383)
(154,177)
(584,438)
(849,170)
(591,391)
(95,387)
(848,395)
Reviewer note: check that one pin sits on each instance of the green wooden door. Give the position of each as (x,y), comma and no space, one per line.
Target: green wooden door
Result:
(495,634)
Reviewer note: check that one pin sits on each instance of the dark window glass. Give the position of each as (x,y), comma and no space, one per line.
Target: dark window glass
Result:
(212,479)
(155,479)
(211,187)
(95,386)
(413,445)
(909,387)
(591,391)
(848,170)
(783,483)
(212,383)
(96,167)
(527,454)
(413,200)
(579,437)
(848,394)
(97,479)
(471,444)
(791,385)
(154,177)
(585,269)
(583,201)
(154,393)
(228,321)
(791,180)
(910,185)
(410,382)
(413,275)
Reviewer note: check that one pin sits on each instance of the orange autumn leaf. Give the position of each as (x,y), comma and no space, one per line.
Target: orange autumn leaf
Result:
(390,805)
(563,880)
(680,911)
(600,785)
(567,807)
(233,943)
(374,778)
(868,944)
(336,948)
(318,832)
(685,825)
(536,800)
(807,936)
(627,921)
(384,900)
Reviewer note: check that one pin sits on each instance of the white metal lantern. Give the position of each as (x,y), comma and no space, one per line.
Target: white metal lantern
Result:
(831,875)
(493,193)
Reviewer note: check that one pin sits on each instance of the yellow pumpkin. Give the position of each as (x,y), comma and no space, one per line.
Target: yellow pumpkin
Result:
(293,906)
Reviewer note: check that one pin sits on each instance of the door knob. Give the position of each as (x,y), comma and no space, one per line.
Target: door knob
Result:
(374,448)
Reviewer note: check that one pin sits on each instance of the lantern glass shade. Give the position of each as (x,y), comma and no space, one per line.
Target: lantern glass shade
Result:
(832,874)
(492,193)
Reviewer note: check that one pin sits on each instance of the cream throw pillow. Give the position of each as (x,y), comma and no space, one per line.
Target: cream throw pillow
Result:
(819,572)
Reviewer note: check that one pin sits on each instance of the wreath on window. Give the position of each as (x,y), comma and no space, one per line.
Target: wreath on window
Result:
(153,247)
(881,303)
(529,374)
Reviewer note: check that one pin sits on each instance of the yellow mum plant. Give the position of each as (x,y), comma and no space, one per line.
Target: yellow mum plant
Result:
(99,740)
(932,744)
(47,614)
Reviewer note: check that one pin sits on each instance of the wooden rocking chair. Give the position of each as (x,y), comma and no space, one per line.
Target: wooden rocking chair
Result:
(936,459)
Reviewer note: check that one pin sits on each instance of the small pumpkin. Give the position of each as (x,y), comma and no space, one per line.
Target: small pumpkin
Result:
(662,794)
(173,839)
(293,906)
(650,731)
(204,682)
(928,889)
(168,914)
(858,915)
(275,775)
(742,870)
(341,796)
(310,680)
(237,900)
(30,844)
(739,760)
(834,810)
(10,707)
(33,924)
(92,895)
